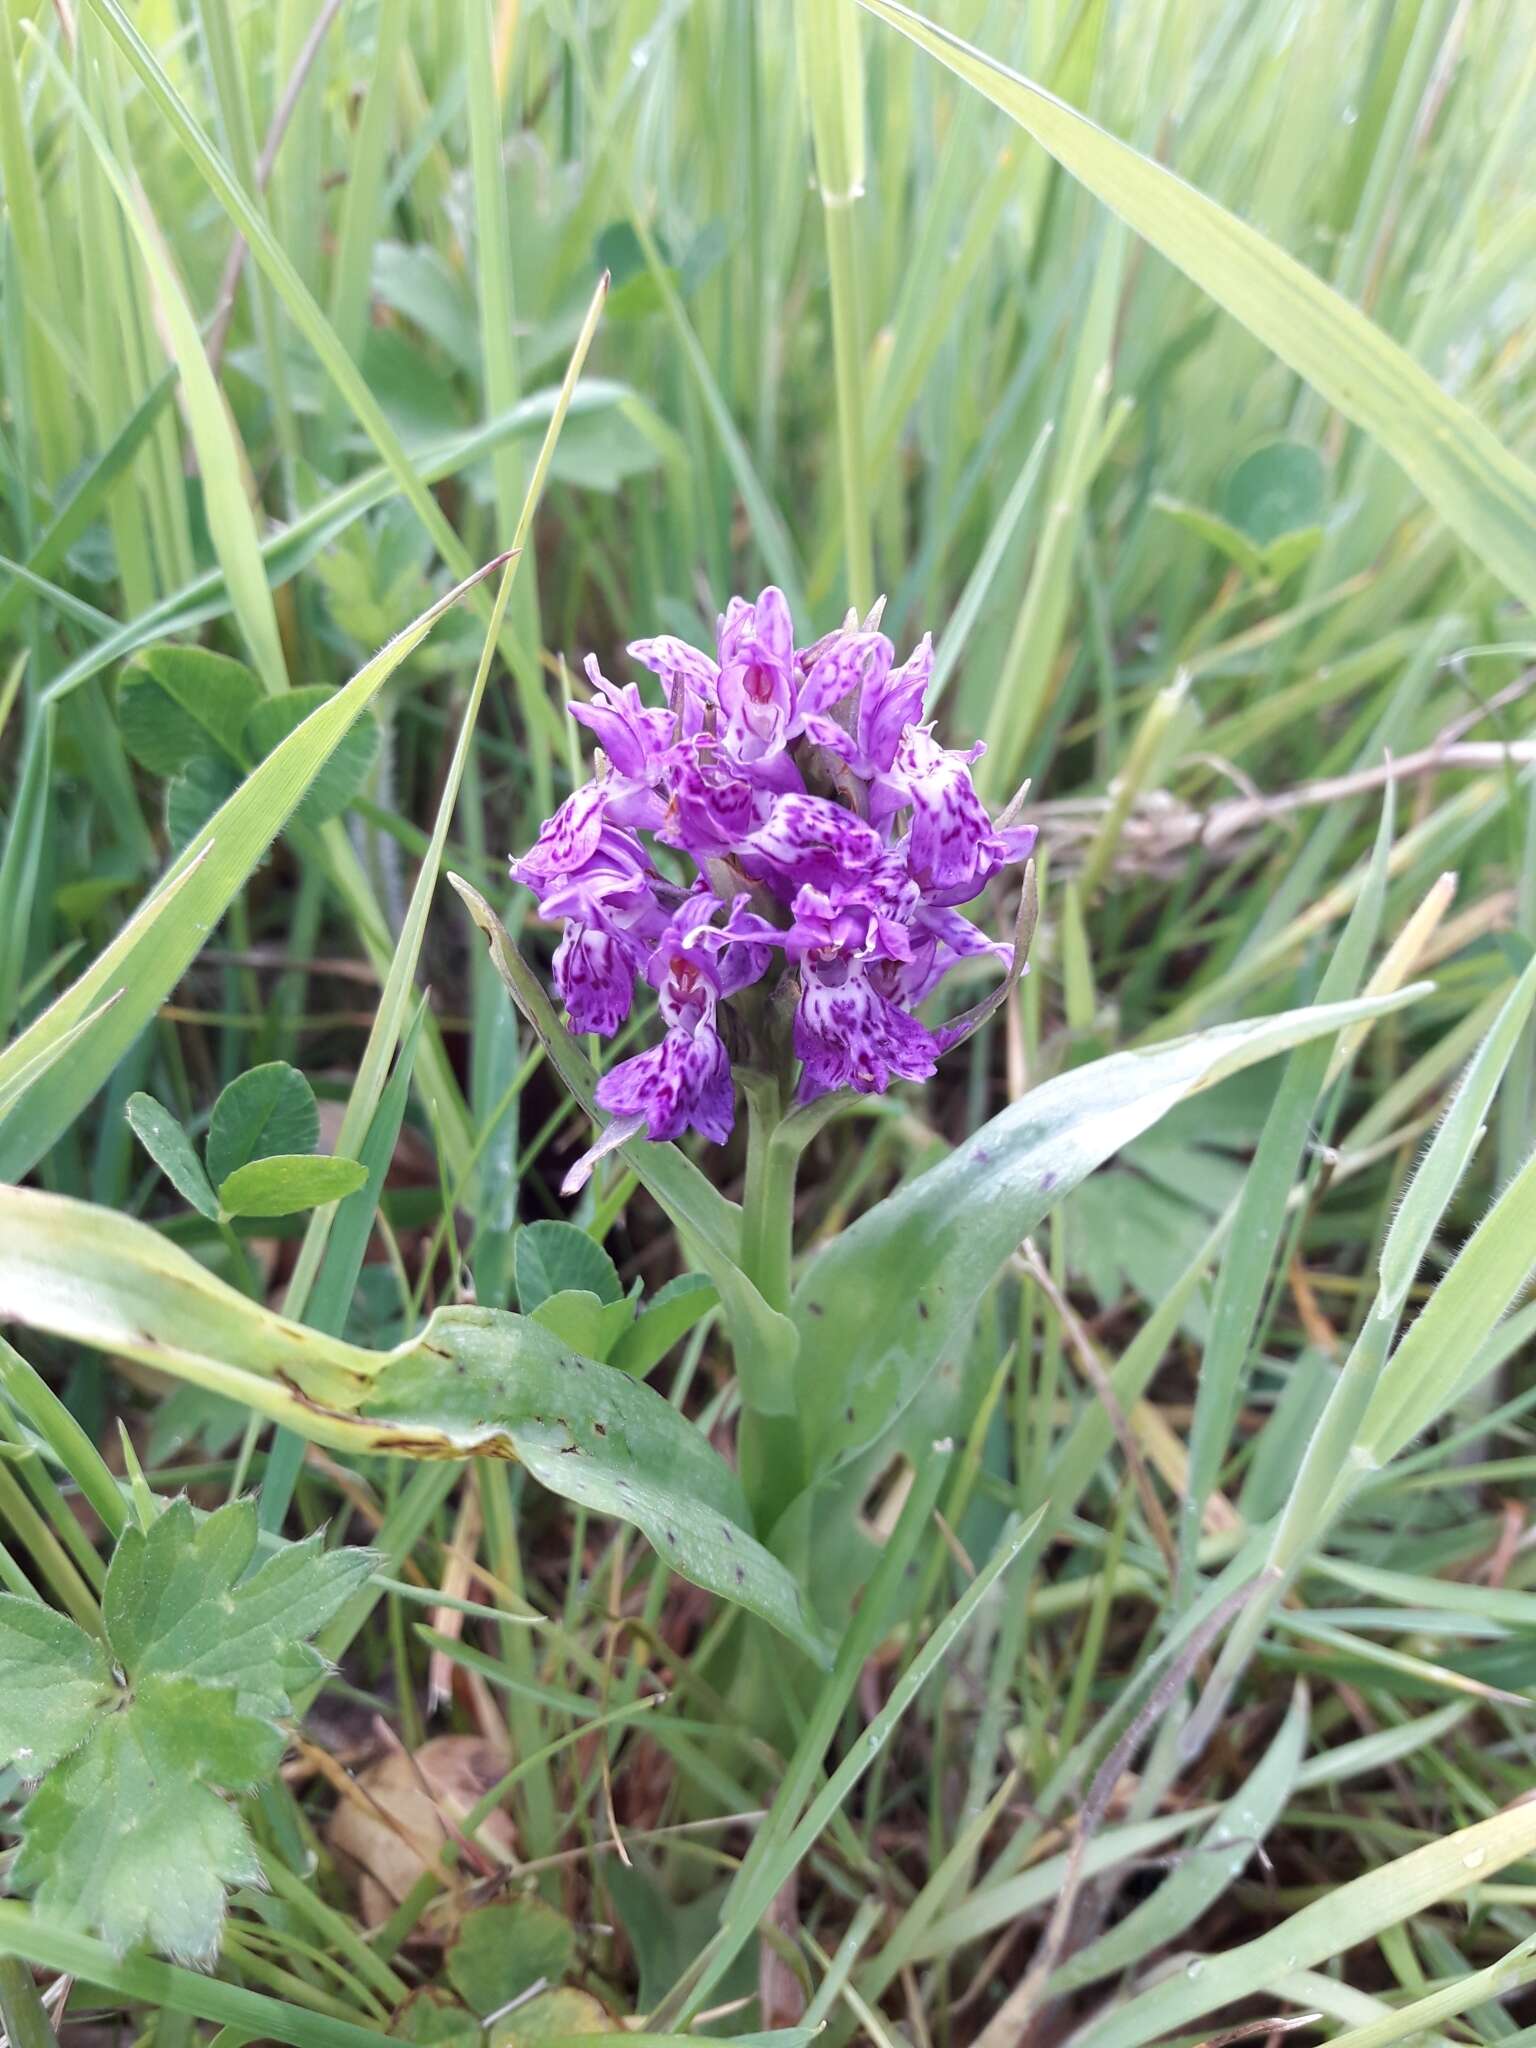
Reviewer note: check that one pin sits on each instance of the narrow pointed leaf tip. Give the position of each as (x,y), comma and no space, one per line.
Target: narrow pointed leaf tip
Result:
(476,1382)
(887,1299)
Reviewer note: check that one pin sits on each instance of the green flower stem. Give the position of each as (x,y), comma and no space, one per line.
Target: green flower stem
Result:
(770,1447)
(768,1204)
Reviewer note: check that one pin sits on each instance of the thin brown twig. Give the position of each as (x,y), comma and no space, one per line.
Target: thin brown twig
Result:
(1251,2030)
(1162,828)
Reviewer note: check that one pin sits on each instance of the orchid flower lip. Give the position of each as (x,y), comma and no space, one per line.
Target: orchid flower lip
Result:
(833,841)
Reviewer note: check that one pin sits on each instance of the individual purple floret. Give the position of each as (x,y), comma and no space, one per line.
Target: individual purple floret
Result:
(831,839)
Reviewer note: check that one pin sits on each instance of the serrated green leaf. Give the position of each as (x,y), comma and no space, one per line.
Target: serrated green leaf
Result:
(579,1319)
(664,1321)
(129,1836)
(159,1576)
(553,1257)
(54,1681)
(345,770)
(503,1950)
(202,788)
(177,1603)
(289,1182)
(270,1109)
(175,704)
(171,1149)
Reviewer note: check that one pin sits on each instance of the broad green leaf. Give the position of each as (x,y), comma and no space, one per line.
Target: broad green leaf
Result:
(664,1321)
(579,1319)
(54,1680)
(1485,494)
(172,1151)
(178,704)
(346,770)
(202,788)
(1275,491)
(288,1182)
(475,1382)
(267,1110)
(154,948)
(551,1257)
(889,1297)
(129,1836)
(502,1950)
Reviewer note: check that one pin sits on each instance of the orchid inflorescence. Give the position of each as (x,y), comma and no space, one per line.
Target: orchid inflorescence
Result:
(832,841)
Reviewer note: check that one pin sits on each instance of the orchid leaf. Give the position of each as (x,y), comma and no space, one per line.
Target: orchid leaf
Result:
(476,1382)
(889,1298)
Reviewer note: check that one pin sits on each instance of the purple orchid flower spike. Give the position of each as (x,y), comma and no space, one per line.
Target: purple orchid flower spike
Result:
(833,841)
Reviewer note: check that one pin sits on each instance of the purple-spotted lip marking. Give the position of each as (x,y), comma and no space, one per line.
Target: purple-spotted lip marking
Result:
(856,892)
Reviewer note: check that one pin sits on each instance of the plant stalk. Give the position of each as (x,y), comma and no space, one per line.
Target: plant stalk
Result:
(769,1446)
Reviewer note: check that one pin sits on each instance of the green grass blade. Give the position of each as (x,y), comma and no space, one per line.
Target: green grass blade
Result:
(221,458)
(153,950)
(1485,494)
(1349,1913)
